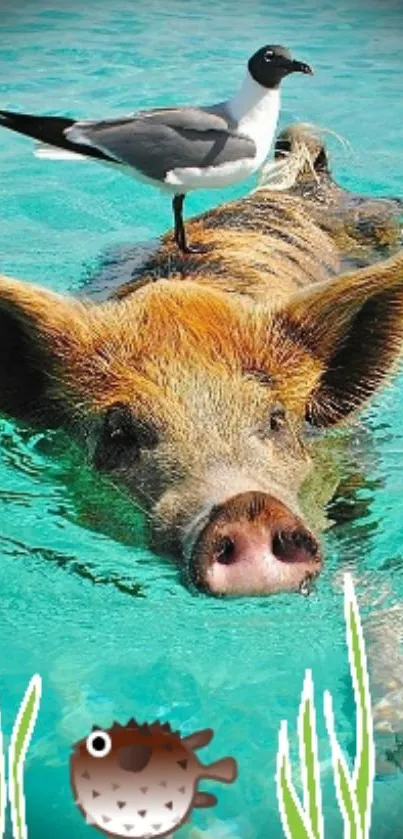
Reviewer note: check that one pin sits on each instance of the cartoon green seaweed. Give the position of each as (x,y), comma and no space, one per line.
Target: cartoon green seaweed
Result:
(20,739)
(354,791)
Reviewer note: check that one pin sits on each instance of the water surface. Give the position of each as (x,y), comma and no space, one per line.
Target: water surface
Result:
(83,601)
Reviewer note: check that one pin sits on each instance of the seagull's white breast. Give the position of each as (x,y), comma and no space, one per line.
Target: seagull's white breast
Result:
(256,111)
(211,177)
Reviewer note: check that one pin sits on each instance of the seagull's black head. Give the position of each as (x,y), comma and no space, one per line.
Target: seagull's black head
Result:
(271,63)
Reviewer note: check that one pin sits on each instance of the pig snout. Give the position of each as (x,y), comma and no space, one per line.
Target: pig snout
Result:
(254,545)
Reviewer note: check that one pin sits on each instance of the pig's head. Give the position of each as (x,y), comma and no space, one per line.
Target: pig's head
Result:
(198,402)
(304,143)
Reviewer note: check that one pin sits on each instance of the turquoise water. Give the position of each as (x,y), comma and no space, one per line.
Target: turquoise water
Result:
(83,602)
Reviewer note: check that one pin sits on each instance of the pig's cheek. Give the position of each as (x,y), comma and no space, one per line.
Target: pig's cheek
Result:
(167,508)
(174,509)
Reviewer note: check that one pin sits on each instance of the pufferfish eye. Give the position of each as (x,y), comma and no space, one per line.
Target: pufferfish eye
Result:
(98,744)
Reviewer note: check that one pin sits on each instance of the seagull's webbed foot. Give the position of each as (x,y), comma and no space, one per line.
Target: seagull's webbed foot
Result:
(189,249)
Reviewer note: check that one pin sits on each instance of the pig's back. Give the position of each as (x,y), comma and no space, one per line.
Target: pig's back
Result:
(265,245)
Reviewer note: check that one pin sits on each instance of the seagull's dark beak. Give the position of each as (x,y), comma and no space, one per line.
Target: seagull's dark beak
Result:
(300,67)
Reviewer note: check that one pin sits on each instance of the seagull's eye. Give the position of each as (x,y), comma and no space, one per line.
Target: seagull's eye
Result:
(98,744)
(268,55)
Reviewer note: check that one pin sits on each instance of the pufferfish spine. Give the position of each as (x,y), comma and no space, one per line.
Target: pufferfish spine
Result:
(141,780)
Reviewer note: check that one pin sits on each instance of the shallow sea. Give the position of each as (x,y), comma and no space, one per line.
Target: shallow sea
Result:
(82,600)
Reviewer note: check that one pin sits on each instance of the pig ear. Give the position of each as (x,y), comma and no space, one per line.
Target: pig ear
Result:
(353,327)
(39,332)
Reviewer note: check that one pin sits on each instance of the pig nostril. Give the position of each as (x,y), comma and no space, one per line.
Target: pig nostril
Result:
(309,544)
(293,545)
(225,551)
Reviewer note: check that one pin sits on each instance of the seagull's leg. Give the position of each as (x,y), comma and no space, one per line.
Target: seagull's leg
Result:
(180,235)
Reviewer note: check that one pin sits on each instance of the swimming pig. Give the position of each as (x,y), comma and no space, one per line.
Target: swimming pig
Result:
(200,389)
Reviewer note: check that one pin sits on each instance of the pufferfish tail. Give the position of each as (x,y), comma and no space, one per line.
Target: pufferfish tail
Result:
(225,770)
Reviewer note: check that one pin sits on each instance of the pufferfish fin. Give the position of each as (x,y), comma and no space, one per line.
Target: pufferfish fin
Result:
(204,799)
(146,728)
(132,723)
(161,726)
(198,739)
(222,770)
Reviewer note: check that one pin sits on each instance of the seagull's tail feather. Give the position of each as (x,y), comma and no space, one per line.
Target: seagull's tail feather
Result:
(50,131)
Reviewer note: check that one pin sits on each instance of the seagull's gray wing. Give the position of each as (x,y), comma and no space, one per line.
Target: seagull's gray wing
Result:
(156,142)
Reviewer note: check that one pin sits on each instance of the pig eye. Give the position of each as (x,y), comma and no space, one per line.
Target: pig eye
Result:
(98,744)
(122,437)
(274,424)
(119,425)
(277,418)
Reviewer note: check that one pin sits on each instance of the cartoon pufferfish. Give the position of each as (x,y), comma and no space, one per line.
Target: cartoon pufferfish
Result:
(141,780)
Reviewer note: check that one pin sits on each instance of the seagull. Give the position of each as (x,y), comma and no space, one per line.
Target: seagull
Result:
(178,149)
